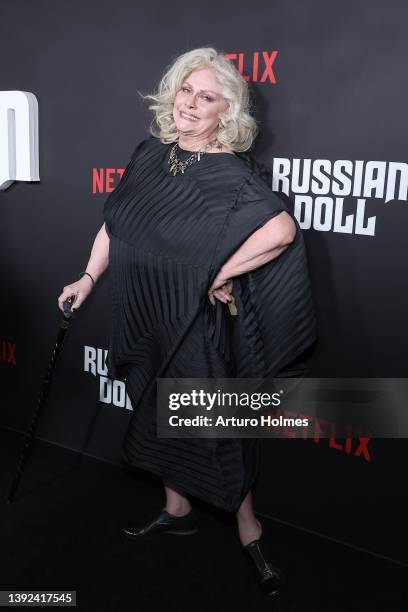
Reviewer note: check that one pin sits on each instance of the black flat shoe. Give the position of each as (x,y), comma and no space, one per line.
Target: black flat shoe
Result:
(164,523)
(270,578)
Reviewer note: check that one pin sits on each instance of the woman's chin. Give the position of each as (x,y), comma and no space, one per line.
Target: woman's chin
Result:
(184,125)
(185,129)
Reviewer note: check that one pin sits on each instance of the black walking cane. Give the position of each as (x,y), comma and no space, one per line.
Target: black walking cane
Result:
(67,316)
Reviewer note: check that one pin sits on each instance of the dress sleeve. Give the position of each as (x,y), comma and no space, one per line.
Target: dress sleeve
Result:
(276,320)
(120,190)
(255,204)
(137,151)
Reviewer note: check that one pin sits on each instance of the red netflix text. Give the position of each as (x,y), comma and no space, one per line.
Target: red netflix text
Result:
(257,68)
(8,352)
(322,430)
(104,180)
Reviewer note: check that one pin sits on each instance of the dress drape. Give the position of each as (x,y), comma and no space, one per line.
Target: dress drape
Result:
(169,236)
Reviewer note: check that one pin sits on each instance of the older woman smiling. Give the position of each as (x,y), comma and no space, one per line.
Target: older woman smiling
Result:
(209,279)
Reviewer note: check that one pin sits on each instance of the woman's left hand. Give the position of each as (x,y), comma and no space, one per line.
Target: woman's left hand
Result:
(220,289)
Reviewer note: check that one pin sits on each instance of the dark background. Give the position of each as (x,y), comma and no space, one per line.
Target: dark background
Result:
(341,93)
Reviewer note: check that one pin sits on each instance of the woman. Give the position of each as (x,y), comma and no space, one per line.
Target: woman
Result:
(209,279)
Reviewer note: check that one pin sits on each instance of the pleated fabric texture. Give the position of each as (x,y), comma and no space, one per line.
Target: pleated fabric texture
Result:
(168,238)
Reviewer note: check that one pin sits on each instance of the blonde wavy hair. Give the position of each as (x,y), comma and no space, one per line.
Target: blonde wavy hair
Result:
(238,128)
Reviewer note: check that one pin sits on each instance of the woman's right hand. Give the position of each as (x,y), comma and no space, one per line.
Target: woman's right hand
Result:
(79,290)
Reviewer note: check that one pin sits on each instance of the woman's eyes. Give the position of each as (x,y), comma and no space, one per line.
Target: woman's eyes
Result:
(203,96)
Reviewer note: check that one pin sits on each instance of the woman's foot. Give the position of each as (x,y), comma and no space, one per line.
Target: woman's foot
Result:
(270,578)
(163,523)
(249,531)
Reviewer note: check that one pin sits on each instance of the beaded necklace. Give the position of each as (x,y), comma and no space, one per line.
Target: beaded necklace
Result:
(177,165)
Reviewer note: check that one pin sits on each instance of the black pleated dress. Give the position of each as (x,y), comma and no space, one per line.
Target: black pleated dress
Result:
(169,235)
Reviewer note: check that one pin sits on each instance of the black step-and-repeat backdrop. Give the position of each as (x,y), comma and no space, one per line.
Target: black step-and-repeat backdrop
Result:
(329,83)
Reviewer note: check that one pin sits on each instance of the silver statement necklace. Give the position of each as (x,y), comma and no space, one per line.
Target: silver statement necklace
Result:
(177,165)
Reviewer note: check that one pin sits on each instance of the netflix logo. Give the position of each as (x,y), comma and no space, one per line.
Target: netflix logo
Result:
(323,432)
(104,180)
(8,352)
(257,67)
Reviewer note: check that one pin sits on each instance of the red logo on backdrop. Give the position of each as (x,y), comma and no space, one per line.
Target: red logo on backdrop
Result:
(354,444)
(8,352)
(257,67)
(104,180)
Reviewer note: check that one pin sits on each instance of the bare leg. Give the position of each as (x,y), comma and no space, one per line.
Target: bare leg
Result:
(248,525)
(176,504)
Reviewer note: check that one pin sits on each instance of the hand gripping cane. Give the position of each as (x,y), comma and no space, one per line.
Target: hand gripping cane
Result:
(64,324)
